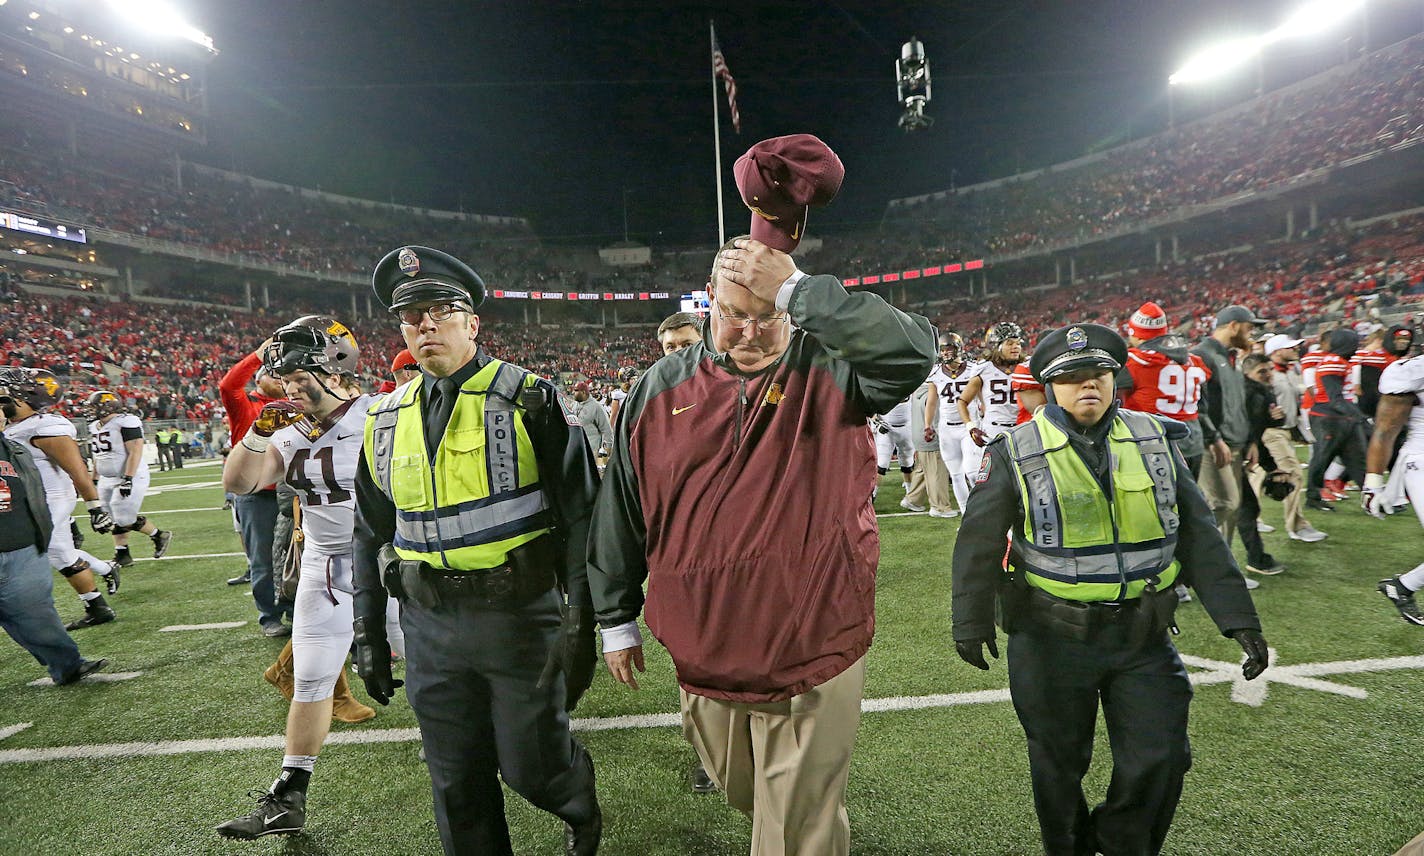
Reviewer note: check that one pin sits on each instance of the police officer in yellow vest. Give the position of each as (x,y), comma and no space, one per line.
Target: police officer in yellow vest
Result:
(1103,519)
(472,502)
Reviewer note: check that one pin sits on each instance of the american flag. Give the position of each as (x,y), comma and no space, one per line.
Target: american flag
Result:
(719,69)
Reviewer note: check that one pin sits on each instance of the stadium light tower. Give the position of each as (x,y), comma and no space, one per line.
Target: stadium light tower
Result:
(162,18)
(1315,17)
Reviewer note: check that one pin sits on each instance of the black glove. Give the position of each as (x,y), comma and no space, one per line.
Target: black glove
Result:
(373,659)
(1257,655)
(574,654)
(99,519)
(126,487)
(971,651)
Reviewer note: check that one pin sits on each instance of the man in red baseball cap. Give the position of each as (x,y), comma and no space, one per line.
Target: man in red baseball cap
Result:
(404,368)
(779,179)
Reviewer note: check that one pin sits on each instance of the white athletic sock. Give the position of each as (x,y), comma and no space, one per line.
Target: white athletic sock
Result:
(1414,580)
(93,595)
(1335,470)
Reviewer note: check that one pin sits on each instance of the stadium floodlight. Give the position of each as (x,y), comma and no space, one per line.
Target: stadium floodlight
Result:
(1218,60)
(1314,17)
(160,17)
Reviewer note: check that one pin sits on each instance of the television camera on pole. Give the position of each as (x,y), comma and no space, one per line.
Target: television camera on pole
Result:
(912,84)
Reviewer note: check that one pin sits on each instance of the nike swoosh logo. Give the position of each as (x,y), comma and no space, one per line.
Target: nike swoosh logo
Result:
(677,410)
(274,817)
(344,436)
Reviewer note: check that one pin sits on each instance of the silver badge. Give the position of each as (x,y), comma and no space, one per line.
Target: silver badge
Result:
(1077,339)
(408,262)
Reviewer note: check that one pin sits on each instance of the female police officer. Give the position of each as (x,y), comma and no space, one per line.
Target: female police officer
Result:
(1103,519)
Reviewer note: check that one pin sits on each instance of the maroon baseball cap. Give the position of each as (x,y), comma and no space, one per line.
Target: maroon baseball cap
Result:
(779,178)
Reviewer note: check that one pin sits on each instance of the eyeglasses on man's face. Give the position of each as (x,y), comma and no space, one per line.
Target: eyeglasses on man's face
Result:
(739,321)
(438,312)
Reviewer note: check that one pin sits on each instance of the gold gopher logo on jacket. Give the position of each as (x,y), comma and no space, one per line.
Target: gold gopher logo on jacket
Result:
(774,394)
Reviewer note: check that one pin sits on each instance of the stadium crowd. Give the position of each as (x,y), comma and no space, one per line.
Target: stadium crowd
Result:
(1343,115)
(1364,108)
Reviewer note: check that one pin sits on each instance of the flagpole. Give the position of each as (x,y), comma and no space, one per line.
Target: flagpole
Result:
(717,142)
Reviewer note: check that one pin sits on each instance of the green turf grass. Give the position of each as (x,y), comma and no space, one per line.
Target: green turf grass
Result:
(1306,773)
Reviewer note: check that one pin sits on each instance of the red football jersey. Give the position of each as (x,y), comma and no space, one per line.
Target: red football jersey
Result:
(1020,380)
(1329,365)
(1162,386)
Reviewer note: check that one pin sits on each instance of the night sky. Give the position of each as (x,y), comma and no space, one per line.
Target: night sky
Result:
(552,110)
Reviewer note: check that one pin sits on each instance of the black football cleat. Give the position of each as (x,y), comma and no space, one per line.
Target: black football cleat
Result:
(276,814)
(1403,600)
(160,542)
(86,667)
(96,612)
(122,557)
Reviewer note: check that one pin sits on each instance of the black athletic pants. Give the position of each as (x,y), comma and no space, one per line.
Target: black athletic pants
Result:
(1342,438)
(470,677)
(1057,684)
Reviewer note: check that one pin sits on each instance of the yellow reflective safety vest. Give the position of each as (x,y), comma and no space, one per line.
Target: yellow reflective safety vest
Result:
(481,496)
(1079,543)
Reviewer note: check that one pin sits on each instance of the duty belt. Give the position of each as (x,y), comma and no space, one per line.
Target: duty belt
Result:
(502,588)
(1146,617)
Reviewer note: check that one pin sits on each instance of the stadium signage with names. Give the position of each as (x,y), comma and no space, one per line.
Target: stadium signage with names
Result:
(503,294)
(44,228)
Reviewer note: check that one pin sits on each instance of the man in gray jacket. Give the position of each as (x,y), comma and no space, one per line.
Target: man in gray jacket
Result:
(1287,384)
(1225,400)
(594,420)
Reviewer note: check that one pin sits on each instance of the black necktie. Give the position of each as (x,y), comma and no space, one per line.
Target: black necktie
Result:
(437,417)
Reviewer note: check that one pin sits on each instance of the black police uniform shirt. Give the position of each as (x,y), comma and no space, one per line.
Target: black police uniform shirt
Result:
(994,508)
(17,529)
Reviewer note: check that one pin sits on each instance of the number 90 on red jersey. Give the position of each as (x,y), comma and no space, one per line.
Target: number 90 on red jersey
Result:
(1163,386)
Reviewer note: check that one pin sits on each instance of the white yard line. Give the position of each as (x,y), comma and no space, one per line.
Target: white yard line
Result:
(14,729)
(217,625)
(195,556)
(1215,672)
(95,678)
(151,512)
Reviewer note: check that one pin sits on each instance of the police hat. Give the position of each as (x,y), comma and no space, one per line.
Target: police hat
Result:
(1078,346)
(413,275)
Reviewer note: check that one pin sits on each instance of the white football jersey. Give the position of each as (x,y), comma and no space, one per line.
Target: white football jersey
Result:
(323,473)
(950,388)
(56,481)
(899,415)
(1406,377)
(106,444)
(1001,411)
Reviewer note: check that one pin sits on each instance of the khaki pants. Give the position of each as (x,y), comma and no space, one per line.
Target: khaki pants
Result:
(784,764)
(930,481)
(1222,487)
(1278,442)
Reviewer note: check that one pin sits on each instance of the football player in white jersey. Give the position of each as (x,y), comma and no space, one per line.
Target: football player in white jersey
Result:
(991,385)
(892,436)
(1401,405)
(949,379)
(24,394)
(116,457)
(312,439)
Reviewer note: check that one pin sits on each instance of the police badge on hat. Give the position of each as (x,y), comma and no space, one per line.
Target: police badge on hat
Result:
(1077,339)
(408,262)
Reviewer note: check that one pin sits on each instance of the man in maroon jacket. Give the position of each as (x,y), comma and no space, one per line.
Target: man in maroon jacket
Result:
(739,489)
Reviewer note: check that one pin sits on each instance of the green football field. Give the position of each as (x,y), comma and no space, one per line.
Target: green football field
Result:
(1316,757)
